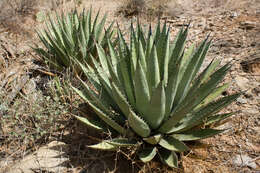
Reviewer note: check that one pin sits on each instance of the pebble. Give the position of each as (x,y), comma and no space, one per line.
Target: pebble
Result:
(241,100)
(251,111)
(29,87)
(242,82)
(248,25)
(233,14)
(244,160)
(51,158)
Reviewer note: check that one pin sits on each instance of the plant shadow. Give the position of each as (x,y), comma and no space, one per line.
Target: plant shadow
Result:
(92,161)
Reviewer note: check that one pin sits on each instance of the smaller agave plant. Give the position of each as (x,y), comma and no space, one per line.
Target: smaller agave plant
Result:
(72,37)
(152,95)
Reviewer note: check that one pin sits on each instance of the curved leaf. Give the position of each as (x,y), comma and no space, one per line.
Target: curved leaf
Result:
(217,92)
(206,111)
(171,143)
(147,154)
(188,75)
(153,72)
(141,56)
(196,134)
(104,145)
(171,89)
(142,93)
(122,142)
(133,49)
(169,157)
(209,70)
(194,98)
(138,124)
(99,28)
(91,123)
(156,108)
(106,118)
(217,118)
(124,66)
(121,100)
(177,49)
(163,51)
(153,139)
(102,59)
(140,34)
(202,58)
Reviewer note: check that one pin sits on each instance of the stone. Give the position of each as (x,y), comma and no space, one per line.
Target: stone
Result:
(251,111)
(241,100)
(201,24)
(3,109)
(29,87)
(252,66)
(242,82)
(244,160)
(227,125)
(248,25)
(234,14)
(50,158)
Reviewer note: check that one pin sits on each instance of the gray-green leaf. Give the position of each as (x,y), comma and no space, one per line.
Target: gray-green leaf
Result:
(147,154)
(169,157)
(171,143)
(196,134)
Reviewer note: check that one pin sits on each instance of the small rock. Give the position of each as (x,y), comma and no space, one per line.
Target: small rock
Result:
(251,66)
(49,158)
(29,87)
(3,109)
(248,25)
(251,111)
(257,131)
(244,160)
(223,43)
(226,125)
(202,23)
(242,82)
(256,91)
(241,100)
(233,14)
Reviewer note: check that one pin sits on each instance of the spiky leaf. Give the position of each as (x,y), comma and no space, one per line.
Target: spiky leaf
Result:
(104,145)
(106,118)
(171,143)
(169,157)
(196,134)
(138,124)
(217,118)
(92,123)
(142,93)
(147,154)
(71,37)
(156,108)
(122,142)
(206,111)
(153,139)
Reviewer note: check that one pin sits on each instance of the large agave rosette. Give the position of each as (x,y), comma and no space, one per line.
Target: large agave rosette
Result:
(150,93)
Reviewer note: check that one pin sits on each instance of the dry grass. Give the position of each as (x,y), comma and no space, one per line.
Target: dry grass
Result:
(151,8)
(14,13)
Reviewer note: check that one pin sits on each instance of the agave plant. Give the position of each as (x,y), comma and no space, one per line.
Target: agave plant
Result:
(150,92)
(72,37)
